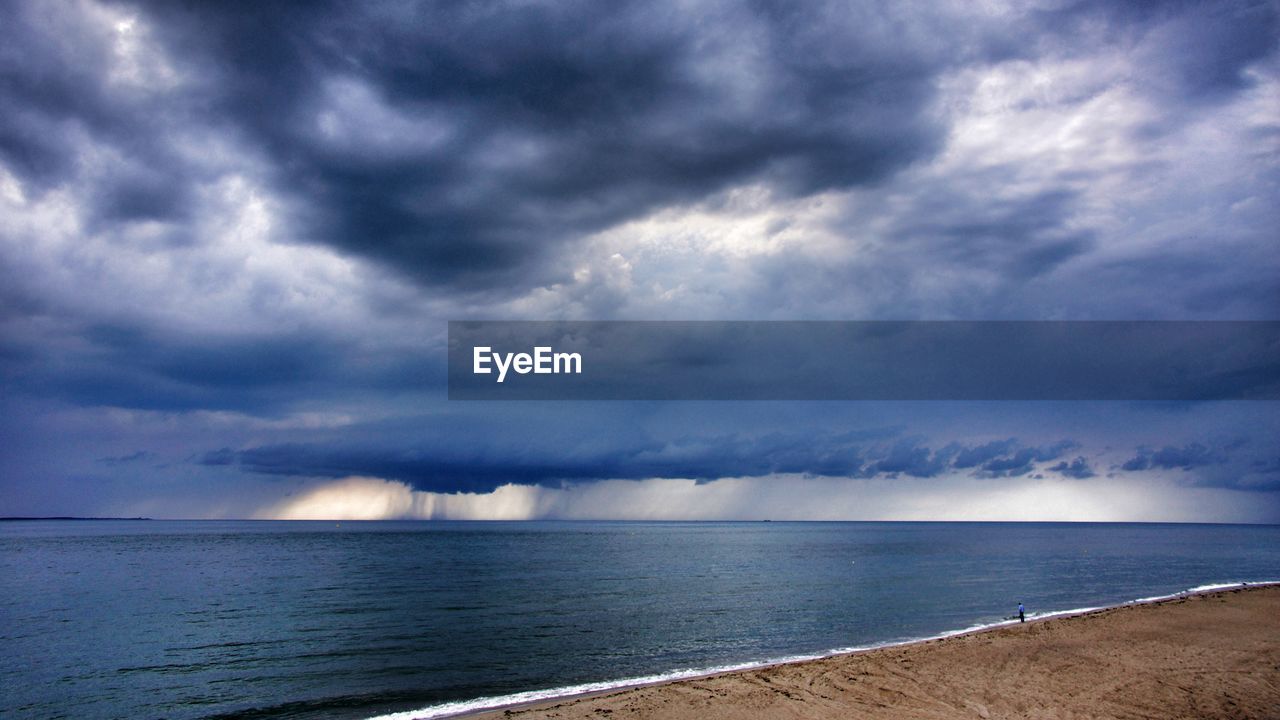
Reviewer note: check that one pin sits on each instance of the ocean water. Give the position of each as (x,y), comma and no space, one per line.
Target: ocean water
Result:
(200,619)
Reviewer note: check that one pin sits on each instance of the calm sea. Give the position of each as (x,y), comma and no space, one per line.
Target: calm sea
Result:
(160,619)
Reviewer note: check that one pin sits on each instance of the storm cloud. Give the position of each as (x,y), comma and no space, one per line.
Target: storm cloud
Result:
(1182,458)
(477,465)
(231,236)
(463,143)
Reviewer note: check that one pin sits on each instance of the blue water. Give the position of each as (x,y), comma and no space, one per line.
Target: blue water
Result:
(181,619)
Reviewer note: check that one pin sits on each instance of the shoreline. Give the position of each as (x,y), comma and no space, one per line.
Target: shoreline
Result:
(544,700)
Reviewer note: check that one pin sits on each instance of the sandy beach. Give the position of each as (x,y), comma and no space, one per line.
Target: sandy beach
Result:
(1215,655)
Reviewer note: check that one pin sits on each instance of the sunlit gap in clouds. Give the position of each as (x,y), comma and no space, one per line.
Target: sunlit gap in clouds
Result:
(778,498)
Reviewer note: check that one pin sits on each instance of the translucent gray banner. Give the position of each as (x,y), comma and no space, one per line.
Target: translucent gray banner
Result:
(908,360)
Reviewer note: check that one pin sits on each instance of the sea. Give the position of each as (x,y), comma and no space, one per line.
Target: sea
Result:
(400,620)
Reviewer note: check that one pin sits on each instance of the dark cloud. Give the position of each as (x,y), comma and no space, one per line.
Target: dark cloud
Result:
(1015,460)
(1193,51)
(1238,463)
(1078,468)
(476,458)
(980,454)
(464,144)
(461,143)
(1262,474)
(1025,236)
(479,465)
(46,87)
(64,117)
(1202,50)
(133,366)
(468,146)
(908,457)
(1170,457)
(215,458)
(130,458)
(1210,280)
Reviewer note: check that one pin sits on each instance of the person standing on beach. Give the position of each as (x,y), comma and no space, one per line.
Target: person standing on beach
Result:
(1022,613)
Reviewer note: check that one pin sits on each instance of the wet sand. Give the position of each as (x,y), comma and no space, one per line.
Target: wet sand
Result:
(1215,655)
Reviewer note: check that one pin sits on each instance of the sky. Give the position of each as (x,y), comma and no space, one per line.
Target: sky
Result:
(231,237)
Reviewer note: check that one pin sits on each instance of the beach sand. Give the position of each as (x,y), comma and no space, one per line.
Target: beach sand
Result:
(1215,655)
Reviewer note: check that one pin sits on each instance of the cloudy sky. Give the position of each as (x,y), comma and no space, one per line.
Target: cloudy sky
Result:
(231,238)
